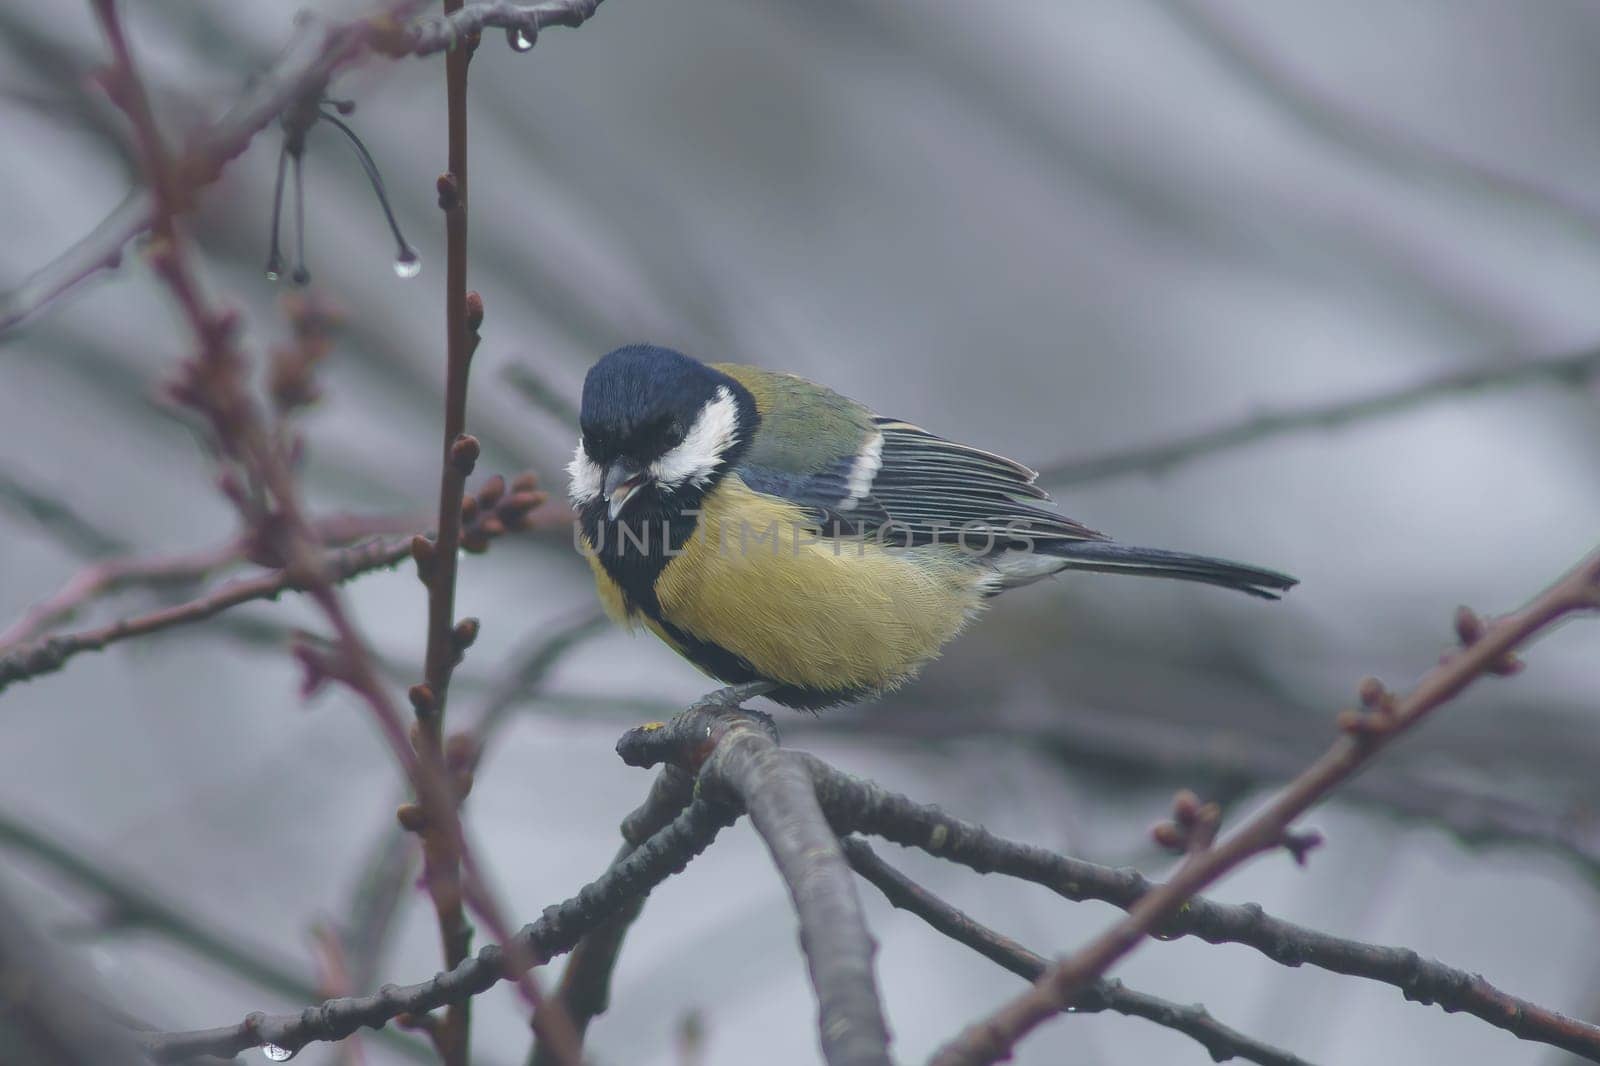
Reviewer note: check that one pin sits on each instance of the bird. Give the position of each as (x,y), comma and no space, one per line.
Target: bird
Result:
(771,530)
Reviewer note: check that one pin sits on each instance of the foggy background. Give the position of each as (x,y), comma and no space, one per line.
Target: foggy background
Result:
(1053,229)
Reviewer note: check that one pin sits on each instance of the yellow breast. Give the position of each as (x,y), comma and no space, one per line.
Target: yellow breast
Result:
(822,614)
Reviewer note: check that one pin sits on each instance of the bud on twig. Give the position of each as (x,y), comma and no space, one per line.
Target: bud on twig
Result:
(464,451)
(425,556)
(423,701)
(490,492)
(449,192)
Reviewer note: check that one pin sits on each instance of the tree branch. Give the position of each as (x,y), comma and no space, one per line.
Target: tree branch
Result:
(556,931)
(1163,456)
(1155,749)
(735,756)
(113,575)
(856,806)
(131,904)
(1220,1042)
(317,50)
(585,989)
(50,654)
(1486,649)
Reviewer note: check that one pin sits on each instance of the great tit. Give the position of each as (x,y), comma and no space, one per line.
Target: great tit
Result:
(770,529)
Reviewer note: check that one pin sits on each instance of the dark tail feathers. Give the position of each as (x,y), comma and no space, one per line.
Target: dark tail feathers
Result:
(1108,558)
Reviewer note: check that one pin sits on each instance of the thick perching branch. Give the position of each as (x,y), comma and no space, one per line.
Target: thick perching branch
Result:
(851,805)
(734,755)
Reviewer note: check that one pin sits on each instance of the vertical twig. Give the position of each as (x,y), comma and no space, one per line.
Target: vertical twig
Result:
(441,859)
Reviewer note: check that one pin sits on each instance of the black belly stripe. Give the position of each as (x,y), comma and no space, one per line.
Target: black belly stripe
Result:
(734,669)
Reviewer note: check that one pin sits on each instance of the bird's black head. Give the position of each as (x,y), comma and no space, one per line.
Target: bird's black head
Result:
(659,428)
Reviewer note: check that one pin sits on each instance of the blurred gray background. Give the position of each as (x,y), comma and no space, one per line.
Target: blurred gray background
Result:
(1056,229)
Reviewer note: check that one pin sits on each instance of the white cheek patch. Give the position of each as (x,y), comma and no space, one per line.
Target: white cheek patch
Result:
(584,486)
(862,471)
(708,440)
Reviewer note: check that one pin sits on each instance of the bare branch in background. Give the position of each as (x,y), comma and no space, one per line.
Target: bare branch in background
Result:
(48,1014)
(1158,458)
(178,569)
(1220,1041)
(52,653)
(390,870)
(317,51)
(557,930)
(1486,648)
(46,509)
(585,988)
(541,394)
(1365,133)
(27,660)
(1163,750)
(131,904)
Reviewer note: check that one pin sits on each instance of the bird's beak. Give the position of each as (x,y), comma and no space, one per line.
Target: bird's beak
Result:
(624,477)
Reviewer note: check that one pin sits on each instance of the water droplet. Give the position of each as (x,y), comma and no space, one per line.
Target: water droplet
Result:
(276,1053)
(301,276)
(274,267)
(519,41)
(408,264)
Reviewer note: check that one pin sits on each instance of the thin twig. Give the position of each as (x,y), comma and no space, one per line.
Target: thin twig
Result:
(259,480)
(1220,1041)
(521,21)
(1163,456)
(52,653)
(65,525)
(585,989)
(557,930)
(390,869)
(113,575)
(1154,749)
(50,1012)
(441,858)
(131,904)
(1486,649)
(1370,132)
(317,51)
(857,806)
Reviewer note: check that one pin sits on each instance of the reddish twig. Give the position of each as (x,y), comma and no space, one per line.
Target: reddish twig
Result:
(318,50)
(113,575)
(50,654)
(442,861)
(264,490)
(1485,649)
(20,662)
